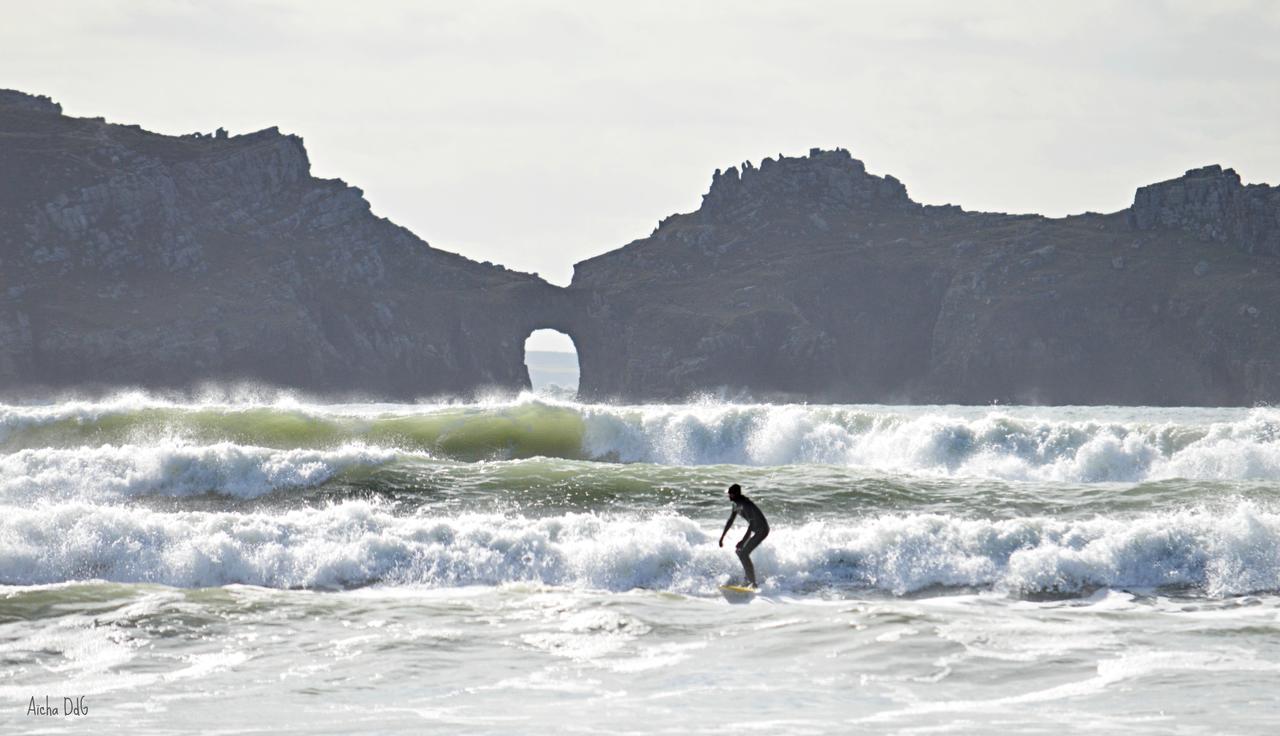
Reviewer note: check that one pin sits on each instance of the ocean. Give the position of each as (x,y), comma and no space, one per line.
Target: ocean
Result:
(259,562)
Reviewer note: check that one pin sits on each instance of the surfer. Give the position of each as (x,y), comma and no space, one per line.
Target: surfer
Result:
(757,529)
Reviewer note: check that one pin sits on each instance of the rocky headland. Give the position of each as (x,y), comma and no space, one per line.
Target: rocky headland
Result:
(132,258)
(807,278)
(136,259)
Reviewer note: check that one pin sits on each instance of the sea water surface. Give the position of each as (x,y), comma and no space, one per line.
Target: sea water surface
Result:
(252,563)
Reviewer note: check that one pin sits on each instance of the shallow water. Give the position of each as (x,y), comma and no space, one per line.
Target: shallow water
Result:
(251,563)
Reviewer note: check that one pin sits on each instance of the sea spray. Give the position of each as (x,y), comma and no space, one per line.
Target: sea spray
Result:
(1074,444)
(358,543)
(174,468)
(927,565)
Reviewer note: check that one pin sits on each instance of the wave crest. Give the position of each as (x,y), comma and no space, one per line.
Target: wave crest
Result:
(362,543)
(1067,444)
(173,469)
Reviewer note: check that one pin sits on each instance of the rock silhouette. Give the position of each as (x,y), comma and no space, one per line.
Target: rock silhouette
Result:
(132,258)
(810,279)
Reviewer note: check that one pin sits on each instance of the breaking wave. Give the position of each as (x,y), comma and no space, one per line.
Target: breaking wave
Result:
(357,543)
(1018,443)
(173,469)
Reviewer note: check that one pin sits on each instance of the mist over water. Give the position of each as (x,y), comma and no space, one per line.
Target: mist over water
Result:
(916,553)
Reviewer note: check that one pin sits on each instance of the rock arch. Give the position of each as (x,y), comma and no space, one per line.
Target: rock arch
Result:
(551,366)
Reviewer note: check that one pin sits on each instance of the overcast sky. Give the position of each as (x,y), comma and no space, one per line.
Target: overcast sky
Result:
(536,134)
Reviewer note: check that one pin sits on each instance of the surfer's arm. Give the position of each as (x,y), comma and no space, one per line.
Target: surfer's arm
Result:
(727,525)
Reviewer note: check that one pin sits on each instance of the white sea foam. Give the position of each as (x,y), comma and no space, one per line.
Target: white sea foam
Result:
(943,441)
(1067,444)
(358,543)
(173,468)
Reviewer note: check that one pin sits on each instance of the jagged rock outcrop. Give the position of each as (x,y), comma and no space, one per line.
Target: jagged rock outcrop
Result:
(829,180)
(1211,203)
(131,258)
(14,99)
(810,279)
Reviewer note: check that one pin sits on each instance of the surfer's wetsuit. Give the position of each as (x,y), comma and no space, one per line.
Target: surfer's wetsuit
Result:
(757,530)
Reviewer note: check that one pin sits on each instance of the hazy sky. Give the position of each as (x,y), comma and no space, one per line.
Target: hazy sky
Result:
(536,134)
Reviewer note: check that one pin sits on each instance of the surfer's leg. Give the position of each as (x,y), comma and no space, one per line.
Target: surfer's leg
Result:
(744,554)
(747,568)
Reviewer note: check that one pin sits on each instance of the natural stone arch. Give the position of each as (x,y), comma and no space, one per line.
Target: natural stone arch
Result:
(551,358)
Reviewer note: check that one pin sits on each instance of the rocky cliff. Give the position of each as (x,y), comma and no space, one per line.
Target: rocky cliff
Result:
(1211,203)
(131,258)
(809,279)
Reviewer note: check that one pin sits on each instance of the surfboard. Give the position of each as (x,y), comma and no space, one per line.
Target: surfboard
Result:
(738,589)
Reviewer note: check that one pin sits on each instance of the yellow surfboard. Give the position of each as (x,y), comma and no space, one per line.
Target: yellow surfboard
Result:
(738,589)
